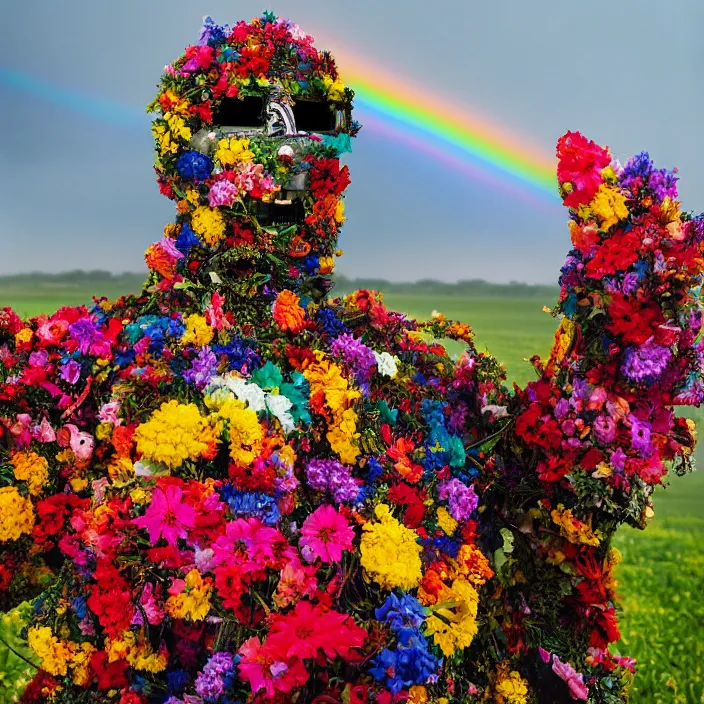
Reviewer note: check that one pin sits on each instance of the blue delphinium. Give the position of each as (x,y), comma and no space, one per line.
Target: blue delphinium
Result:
(403,612)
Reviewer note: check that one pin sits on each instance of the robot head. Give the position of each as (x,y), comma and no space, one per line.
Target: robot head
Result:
(250,126)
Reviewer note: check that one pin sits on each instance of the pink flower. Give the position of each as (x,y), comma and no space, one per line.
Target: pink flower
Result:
(108,413)
(326,534)
(268,670)
(166,516)
(574,681)
(81,442)
(222,193)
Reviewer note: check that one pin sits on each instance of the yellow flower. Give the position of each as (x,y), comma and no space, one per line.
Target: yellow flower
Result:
(139,655)
(335,88)
(80,664)
(326,379)
(446,522)
(24,335)
(244,430)
(390,552)
(608,206)
(193,602)
(54,654)
(340,212)
(576,531)
(31,468)
(16,514)
(453,623)
(417,694)
(510,687)
(172,435)
(198,332)
(178,128)
(231,151)
(209,224)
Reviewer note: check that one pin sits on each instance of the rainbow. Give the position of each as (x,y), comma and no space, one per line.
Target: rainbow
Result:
(448,125)
(389,107)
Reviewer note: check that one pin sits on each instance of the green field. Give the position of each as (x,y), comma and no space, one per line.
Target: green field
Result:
(662,574)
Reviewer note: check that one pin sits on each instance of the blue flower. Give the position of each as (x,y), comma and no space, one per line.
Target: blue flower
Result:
(330,323)
(186,239)
(404,612)
(176,681)
(241,353)
(194,166)
(410,664)
(251,503)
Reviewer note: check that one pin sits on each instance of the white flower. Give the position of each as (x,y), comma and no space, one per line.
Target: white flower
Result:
(279,407)
(286,150)
(251,394)
(386,364)
(496,411)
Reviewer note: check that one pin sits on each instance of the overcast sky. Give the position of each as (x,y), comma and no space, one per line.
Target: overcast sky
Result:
(77,190)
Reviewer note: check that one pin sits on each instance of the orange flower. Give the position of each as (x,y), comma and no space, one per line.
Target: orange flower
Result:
(288,313)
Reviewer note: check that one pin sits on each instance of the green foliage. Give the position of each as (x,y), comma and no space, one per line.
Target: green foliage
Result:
(17,661)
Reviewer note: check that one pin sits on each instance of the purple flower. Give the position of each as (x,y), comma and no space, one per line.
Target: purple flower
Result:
(210,683)
(202,369)
(604,429)
(462,499)
(38,359)
(618,459)
(71,371)
(357,355)
(333,477)
(85,332)
(645,363)
(640,437)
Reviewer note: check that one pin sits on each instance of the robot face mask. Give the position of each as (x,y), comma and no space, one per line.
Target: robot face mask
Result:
(252,123)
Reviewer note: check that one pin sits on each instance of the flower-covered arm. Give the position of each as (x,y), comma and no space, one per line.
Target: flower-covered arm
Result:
(594,434)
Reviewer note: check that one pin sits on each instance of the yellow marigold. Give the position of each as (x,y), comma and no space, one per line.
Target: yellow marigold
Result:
(231,151)
(510,687)
(54,654)
(453,623)
(198,332)
(16,514)
(288,313)
(24,335)
(209,224)
(608,206)
(576,531)
(193,602)
(31,468)
(390,552)
(244,431)
(173,434)
(446,522)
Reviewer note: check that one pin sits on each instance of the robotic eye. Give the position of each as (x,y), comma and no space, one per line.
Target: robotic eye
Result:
(240,114)
(314,116)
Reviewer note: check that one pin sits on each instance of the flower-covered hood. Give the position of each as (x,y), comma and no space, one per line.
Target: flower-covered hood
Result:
(250,125)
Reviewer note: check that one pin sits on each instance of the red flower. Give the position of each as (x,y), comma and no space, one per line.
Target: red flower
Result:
(635,321)
(616,253)
(580,162)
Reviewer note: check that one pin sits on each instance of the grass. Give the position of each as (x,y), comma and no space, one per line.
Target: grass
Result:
(662,573)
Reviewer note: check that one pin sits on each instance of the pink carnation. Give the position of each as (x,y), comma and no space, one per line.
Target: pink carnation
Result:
(325,534)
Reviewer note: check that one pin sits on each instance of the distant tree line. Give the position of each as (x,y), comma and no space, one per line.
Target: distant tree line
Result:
(132,281)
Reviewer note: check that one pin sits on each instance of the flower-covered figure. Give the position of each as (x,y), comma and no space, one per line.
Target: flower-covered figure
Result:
(233,488)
